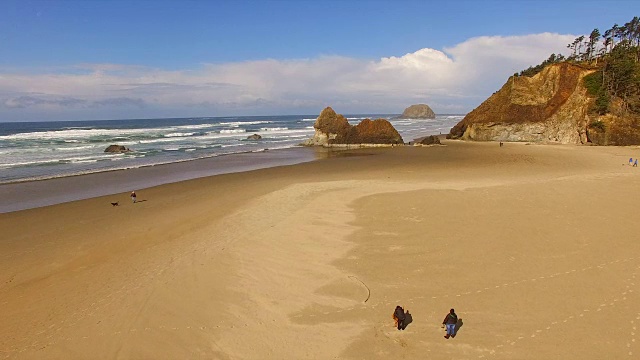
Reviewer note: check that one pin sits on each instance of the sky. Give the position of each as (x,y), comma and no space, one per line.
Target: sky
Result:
(92,59)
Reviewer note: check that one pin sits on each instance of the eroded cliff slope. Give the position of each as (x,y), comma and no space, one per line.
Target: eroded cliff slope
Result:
(551,106)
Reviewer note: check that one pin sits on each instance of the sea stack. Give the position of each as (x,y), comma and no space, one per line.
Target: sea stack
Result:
(117,149)
(333,129)
(418,111)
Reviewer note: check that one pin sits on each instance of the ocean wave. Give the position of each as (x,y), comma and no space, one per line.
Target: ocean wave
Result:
(80,134)
(73,148)
(131,166)
(274,129)
(74,134)
(292,136)
(188,127)
(66,160)
(179,134)
(240,123)
(401,122)
(156,140)
(85,161)
(28,163)
(78,127)
(233,131)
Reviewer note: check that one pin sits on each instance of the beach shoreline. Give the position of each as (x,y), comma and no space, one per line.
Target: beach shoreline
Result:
(531,244)
(37,193)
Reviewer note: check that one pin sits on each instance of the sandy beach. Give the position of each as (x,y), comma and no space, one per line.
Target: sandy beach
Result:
(535,246)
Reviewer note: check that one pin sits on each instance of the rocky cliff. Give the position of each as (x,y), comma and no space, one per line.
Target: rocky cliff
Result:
(333,129)
(418,111)
(551,106)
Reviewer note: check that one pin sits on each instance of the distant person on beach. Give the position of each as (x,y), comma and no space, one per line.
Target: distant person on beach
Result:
(450,322)
(501,144)
(630,161)
(133,196)
(635,163)
(398,317)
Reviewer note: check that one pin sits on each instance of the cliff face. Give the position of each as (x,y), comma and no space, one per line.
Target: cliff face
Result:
(551,106)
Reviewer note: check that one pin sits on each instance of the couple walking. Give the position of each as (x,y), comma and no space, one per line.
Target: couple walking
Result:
(450,321)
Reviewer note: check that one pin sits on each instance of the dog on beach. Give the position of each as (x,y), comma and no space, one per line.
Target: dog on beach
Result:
(115,204)
(399,317)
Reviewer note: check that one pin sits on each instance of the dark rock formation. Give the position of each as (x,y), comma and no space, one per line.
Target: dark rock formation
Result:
(117,149)
(430,140)
(334,129)
(254,137)
(419,111)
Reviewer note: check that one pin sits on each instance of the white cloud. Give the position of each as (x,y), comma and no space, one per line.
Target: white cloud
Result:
(453,80)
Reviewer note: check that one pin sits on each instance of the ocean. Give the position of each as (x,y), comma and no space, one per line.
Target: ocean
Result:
(45,150)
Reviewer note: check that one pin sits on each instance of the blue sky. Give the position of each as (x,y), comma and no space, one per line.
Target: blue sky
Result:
(123,59)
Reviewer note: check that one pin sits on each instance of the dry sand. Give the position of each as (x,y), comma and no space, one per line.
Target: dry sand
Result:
(536,247)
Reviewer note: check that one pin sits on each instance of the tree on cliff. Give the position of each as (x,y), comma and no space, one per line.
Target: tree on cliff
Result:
(617,61)
(593,42)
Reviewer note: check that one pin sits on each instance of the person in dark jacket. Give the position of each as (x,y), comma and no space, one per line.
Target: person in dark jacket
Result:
(398,317)
(450,322)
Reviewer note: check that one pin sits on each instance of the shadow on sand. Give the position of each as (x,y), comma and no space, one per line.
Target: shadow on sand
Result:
(408,319)
(458,326)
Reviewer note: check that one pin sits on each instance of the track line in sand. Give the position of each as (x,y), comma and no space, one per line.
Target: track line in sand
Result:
(633,324)
(604,304)
(527,280)
(607,303)
(146,277)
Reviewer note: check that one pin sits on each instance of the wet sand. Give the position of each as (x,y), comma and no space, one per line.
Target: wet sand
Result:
(534,246)
(31,194)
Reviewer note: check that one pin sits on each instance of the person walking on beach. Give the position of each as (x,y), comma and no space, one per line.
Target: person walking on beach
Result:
(450,322)
(133,196)
(635,163)
(630,161)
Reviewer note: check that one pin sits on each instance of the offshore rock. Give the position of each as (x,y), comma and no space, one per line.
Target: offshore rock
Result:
(117,149)
(254,137)
(430,140)
(418,111)
(332,129)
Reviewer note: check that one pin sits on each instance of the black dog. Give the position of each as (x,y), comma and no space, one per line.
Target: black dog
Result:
(398,316)
(114,204)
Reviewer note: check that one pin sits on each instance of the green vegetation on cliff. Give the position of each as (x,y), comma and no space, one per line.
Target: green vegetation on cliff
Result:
(615,57)
(590,96)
